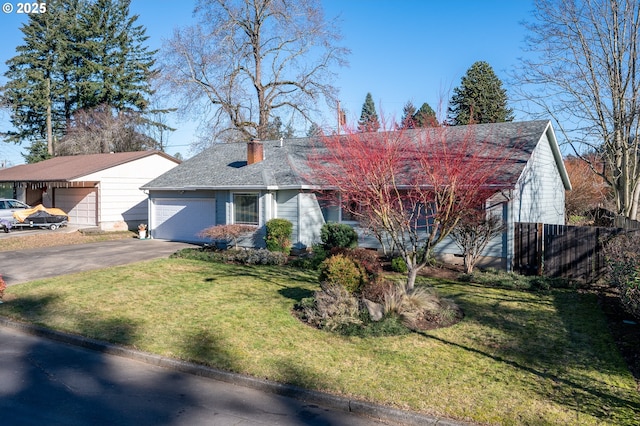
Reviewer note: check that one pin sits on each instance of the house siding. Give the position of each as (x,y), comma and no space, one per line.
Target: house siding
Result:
(223,207)
(287,207)
(539,192)
(122,204)
(311,219)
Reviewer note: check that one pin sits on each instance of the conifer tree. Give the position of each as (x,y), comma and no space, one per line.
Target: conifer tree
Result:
(480,98)
(425,117)
(32,93)
(408,111)
(122,64)
(369,121)
(76,56)
(37,152)
(314,130)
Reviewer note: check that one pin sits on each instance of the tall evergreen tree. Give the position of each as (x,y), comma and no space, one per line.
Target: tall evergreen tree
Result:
(37,152)
(480,98)
(425,117)
(408,111)
(33,92)
(314,131)
(78,55)
(121,63)
(369,121)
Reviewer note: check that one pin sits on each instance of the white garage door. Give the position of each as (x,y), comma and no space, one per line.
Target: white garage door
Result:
(81,204)
(181,219)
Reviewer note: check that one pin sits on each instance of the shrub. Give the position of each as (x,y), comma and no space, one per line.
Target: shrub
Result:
(623,270)
(376,290)
(332,308)
(340,269)
(226,233)
(244,257)
(278,236)
(338,235)
(367,258)
(399,265)
(419,305)
(312,260)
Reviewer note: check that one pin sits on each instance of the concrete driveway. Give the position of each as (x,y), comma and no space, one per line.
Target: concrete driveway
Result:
(28,265)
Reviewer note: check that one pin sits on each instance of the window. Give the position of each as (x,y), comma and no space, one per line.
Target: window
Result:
(349,210)
(13,204)
(245,209)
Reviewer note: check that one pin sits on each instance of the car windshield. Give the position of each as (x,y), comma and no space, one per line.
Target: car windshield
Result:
(13,204)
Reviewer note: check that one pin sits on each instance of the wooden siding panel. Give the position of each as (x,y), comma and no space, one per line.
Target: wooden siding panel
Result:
(287,207)
(539,194)
(311,219)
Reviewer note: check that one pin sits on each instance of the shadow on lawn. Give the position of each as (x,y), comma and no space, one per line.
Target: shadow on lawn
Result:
(295,293)
(561,341)
(272,274)
(45,309)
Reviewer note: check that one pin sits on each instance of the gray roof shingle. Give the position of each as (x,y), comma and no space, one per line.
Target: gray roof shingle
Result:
(224,166)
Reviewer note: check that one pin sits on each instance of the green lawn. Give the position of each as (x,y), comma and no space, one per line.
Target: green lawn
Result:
(516,358)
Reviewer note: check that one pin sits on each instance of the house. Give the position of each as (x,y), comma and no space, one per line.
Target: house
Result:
(96,190)
(257,181)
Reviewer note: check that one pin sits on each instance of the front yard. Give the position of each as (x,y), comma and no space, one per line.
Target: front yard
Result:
(516,358)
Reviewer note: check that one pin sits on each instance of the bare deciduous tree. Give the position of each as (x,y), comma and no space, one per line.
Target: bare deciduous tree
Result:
(248,61)
(97,130)
(585,74)
(473,234)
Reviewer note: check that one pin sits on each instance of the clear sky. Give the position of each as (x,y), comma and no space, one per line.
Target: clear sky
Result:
(401,50)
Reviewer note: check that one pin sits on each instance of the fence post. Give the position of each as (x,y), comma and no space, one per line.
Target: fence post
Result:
(540,249)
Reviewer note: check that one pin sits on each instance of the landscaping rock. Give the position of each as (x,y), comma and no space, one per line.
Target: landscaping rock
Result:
(376,310)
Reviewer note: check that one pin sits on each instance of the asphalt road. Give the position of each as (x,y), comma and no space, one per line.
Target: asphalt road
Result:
(28,265)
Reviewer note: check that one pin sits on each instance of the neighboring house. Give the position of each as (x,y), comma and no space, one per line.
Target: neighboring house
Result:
(96,190)
(253,182)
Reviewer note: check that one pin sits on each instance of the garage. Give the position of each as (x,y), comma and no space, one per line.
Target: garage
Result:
(81,204)
(180,219)
(96,190)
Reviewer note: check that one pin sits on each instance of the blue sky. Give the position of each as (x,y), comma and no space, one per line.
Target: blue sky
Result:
(401,50)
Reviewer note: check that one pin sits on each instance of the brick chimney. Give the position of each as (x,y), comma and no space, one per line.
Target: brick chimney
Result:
(255,151)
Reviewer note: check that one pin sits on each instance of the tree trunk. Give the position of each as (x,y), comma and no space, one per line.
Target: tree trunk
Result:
(412,273)
(49,123)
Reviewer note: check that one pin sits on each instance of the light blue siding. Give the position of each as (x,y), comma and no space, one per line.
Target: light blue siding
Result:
(303,210)
(539,193)
(222,200)
(311,219)
(287,208)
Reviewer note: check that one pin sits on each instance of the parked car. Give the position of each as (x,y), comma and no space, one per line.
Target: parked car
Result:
(8,206)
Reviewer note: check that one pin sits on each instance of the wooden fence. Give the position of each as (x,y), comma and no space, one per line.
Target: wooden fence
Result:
(573,252)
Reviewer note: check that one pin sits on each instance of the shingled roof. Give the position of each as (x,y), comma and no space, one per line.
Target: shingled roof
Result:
(72,167)
(224,166)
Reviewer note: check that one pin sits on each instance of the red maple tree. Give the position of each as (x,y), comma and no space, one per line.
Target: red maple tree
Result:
(410,186)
